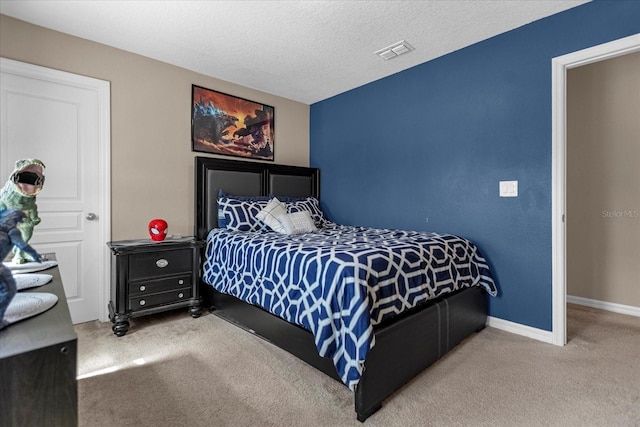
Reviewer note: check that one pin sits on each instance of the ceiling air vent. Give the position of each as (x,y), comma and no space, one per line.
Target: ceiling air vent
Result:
(394,50)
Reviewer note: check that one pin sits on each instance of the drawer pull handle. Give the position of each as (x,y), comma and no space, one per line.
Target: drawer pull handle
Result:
(180,282)
(180,295)
(143,288)
(142,302)
(162,263)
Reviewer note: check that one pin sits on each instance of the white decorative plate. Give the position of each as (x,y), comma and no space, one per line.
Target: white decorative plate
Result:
(30,280)
(30,267)
(28,304)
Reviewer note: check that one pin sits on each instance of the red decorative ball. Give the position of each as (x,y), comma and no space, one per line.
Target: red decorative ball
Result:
(158,229)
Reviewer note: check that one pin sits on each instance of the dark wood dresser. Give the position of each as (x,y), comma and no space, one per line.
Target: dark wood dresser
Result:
(38,359)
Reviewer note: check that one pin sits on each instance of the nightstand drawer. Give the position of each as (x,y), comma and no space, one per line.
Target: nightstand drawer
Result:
(161,263)
(170,297)
(159,285)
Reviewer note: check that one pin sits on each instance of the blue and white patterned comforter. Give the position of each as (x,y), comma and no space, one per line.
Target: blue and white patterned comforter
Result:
(341,281)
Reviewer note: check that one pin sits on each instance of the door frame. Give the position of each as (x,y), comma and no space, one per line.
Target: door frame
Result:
(103,90)
(560,65)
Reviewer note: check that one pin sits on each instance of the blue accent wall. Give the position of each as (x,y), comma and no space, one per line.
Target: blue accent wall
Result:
(425,149)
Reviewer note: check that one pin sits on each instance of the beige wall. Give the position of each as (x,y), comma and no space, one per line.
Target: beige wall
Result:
(151,157)
(603,181)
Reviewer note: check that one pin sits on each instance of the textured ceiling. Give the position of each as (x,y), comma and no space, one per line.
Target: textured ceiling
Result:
(302,50)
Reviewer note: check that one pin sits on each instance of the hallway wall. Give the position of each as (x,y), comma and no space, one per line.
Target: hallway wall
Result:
(603,196)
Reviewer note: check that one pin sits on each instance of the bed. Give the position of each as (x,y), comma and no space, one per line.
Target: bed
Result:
(375,350)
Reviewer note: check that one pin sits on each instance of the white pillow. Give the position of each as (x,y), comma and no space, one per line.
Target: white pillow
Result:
(270,214)
(297,223)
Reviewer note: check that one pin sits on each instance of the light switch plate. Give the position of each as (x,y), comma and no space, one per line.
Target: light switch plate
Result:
(508,188)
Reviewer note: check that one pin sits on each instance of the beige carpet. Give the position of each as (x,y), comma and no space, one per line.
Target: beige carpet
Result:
(172,370)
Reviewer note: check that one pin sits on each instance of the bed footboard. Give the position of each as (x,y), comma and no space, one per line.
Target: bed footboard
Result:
(403,348)
(410,345)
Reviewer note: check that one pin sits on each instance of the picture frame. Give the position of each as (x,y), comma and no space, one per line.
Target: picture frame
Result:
(231,126)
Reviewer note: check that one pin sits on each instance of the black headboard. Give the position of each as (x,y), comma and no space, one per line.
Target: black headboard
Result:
(242,178)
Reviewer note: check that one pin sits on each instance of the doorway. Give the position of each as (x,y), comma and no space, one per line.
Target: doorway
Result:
(603,197)
(63,119)
(560,65)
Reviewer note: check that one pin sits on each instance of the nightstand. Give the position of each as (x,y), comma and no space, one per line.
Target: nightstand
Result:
(148,277)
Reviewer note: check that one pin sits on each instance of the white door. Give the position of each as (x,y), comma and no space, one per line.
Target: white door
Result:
(63,119)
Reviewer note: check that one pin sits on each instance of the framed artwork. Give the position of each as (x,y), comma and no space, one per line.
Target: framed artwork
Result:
(232,126)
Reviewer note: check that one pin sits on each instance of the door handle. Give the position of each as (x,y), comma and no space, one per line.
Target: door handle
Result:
(91,216)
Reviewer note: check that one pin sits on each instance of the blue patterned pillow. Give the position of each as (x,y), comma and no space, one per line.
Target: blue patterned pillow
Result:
(239,213)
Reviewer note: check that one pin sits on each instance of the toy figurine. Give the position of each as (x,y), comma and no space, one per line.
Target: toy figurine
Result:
(10,236)
(19,193)
(158,229)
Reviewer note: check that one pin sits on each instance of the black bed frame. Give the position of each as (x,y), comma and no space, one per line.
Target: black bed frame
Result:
(404,347)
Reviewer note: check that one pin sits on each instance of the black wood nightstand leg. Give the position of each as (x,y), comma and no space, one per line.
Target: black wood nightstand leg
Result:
(195,309)
(120,325)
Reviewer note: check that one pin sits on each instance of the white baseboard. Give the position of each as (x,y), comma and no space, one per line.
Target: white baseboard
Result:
(603,305)
(517,328)
(547,336)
